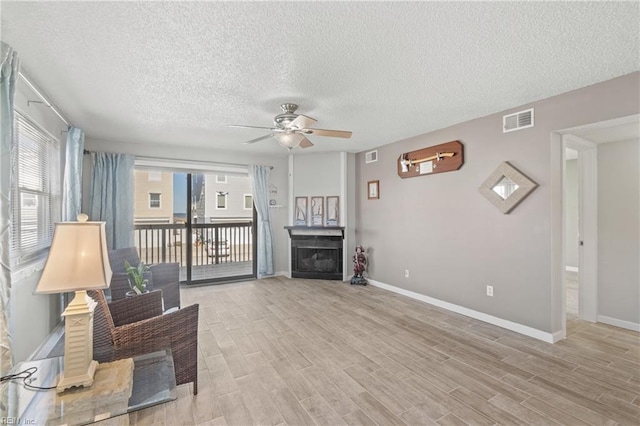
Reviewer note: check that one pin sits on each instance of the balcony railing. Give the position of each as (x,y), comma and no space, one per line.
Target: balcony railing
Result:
(213,243)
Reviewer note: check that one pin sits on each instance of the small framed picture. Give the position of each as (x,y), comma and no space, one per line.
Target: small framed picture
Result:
(300,216)
(373,189)
(317,211)
(333,211)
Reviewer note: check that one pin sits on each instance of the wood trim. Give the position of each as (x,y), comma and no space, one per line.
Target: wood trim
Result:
(445,164)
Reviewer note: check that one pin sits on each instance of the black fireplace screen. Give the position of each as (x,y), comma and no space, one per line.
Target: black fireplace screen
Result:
(318,256)
(317,260)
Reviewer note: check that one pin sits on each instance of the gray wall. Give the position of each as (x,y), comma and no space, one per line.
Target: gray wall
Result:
(571,206)
(453,241)
(32,317)
(618,230)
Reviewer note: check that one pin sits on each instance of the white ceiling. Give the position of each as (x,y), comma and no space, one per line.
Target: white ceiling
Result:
(179,72)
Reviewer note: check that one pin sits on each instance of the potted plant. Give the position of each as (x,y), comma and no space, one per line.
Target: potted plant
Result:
(135,275)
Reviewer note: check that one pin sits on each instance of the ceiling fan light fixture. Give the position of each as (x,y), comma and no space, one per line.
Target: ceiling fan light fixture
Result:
(289,140)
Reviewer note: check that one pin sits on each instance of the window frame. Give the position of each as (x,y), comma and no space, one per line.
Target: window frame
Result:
(244,202)
(42,153)
(218,180)
(226,200)
(159,194)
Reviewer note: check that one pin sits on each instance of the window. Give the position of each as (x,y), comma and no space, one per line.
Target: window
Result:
(221,200)
(154,176)
(154,200)
(221,178)
(248,202)
(36,202)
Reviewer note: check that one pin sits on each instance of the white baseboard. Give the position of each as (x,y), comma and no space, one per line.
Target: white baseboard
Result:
(509,325)
(559,335)
(619,323)
(571,269)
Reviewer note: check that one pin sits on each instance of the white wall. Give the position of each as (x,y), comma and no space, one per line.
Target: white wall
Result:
(316,174)
(31,317)
(618,230)
(571,204)
(349,212)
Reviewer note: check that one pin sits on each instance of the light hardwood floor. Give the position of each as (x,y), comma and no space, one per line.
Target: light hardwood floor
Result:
(572,289)
(301,352)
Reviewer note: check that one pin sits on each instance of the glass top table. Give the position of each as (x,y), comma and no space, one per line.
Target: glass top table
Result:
(113,392)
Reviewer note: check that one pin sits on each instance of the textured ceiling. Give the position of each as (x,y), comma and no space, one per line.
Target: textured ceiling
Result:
(179,72)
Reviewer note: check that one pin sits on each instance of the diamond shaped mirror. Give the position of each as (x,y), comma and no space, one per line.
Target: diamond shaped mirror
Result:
(506,187)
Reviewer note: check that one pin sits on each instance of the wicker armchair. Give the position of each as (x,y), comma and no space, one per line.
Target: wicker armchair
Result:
(136,325)
(161,276)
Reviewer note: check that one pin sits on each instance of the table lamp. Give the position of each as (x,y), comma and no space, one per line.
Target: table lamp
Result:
(78,261)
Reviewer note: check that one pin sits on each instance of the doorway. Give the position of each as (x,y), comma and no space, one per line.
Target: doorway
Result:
(572,234)
(598,234)
(580,217)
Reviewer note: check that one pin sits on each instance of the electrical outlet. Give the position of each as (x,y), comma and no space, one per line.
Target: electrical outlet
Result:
(406,273)
(490,290)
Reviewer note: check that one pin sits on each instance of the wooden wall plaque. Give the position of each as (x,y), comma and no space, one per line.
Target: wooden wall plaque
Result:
(446,157)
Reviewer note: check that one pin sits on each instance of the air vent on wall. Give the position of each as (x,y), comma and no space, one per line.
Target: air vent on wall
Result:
(371,157)
(517,121)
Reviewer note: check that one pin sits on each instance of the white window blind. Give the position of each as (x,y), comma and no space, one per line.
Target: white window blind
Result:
(221,200)
(35,192)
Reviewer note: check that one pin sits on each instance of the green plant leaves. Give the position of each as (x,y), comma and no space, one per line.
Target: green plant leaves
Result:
(135,275)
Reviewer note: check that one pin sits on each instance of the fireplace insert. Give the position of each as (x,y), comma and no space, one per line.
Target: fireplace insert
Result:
(317,256)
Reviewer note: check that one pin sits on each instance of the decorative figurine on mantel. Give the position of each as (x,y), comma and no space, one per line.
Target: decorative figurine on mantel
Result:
(359,262)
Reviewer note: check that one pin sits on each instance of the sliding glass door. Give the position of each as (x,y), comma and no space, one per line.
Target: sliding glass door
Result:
(204,221)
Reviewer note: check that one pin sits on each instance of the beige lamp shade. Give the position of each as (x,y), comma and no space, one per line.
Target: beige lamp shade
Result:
(289,139)
(78,258)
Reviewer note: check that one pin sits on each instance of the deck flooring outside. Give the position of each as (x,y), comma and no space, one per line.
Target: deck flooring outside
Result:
(223,270)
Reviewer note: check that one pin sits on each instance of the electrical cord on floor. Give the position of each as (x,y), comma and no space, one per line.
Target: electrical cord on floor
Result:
(27,379)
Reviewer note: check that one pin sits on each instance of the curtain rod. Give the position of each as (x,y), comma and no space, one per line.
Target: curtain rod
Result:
(86,151)
(45,100)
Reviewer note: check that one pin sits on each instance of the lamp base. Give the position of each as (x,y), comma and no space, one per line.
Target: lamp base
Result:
(77,380)
(79,366)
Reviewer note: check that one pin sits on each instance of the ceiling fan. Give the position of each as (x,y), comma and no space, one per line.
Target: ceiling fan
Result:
(291,129)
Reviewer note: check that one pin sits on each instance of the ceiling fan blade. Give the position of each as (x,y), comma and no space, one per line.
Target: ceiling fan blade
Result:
(250,127)
(331,133)
(257,139)
(305,143)
(301,122)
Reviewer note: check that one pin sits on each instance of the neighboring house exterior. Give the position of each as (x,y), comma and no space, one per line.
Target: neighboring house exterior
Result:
(153,197)
(227,198)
